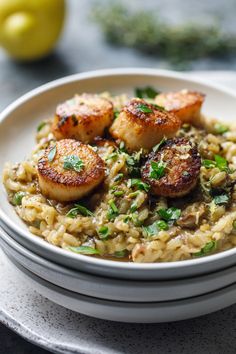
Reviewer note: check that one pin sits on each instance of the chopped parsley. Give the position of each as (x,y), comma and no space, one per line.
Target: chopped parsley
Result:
(209,247)
(73,162)
(220,162)
(79,209)
(133,161)
(116,113)
(113,156)
(104,232)
(121,254)
(154,229)
(234,224)
(137,182)
(17,199)
(157,147)
(84,250)
(146,92)
(161,108)
(118,193)
(221,199)
(170,214)
(52,153)
(113,211)
(221,128)
(133,207)
(157,169)
(118,177)
(40,126)
(141,107)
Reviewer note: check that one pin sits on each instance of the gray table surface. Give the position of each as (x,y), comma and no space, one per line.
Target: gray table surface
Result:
(82,48)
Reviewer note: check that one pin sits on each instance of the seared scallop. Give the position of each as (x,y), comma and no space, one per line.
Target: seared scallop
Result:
(82,118)
(143,125)
(69,170)
(173,171)
(185,104)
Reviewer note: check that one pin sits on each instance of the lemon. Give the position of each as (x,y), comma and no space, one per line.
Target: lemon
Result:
(29,29)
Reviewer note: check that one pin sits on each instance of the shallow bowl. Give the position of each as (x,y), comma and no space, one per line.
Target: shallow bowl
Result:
(115,289)
(17,130)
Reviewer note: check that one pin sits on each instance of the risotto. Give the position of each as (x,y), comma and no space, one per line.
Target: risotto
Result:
(148,179)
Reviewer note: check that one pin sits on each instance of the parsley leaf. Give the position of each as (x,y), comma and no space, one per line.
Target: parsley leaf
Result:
(79,209)
(113,211)
(221,199)
(121,254)
(154,228)
(143,108)
(146,92)
(118,177)
(219,162)
(161,108)
(84,250)
(104,232)
(157,169)
(40,126)
(209,247)
(221,128)
(157,147)
(116,113)
(73,162)
(17,199)
(170,214)
(137,182)
(52,153)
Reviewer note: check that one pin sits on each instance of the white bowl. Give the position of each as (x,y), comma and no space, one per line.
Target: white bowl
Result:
(17,130)
(115,289)
(139,312)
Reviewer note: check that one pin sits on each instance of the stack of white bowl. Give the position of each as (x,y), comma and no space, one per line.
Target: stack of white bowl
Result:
(119,291)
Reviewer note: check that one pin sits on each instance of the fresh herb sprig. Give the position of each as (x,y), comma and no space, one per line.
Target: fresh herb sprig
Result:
(73,162)
(79,209)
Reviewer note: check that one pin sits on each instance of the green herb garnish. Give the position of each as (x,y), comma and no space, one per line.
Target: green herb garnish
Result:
(157,147)
(17,199)
(118,177)
(116,113)
(73,162)
(143,108)
(79,209)
(146,92)
(133,207)
(52,153)
(137,182)
(40,126)
(170,214)
(113,211)
(157,226)
(118,193)
(220,162)
(221,128)
(234,224)
(121,254)
(113,156)
(157,169)
(161,108)
(84,250)
(133,163)
(221,199)
(122,147)
(104,232)
(209,247)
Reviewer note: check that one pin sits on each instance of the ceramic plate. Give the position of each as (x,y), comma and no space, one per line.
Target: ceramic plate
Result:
(18,124)
(114,289)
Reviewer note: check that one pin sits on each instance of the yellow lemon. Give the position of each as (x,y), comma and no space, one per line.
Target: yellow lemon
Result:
(29,29)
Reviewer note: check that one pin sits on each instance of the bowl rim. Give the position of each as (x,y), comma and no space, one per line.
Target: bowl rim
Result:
(47,247)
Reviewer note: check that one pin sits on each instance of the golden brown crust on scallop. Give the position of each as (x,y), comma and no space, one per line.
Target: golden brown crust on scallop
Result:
(182,166)
(61,184)
(185,104)
(143,125)
(82,118)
